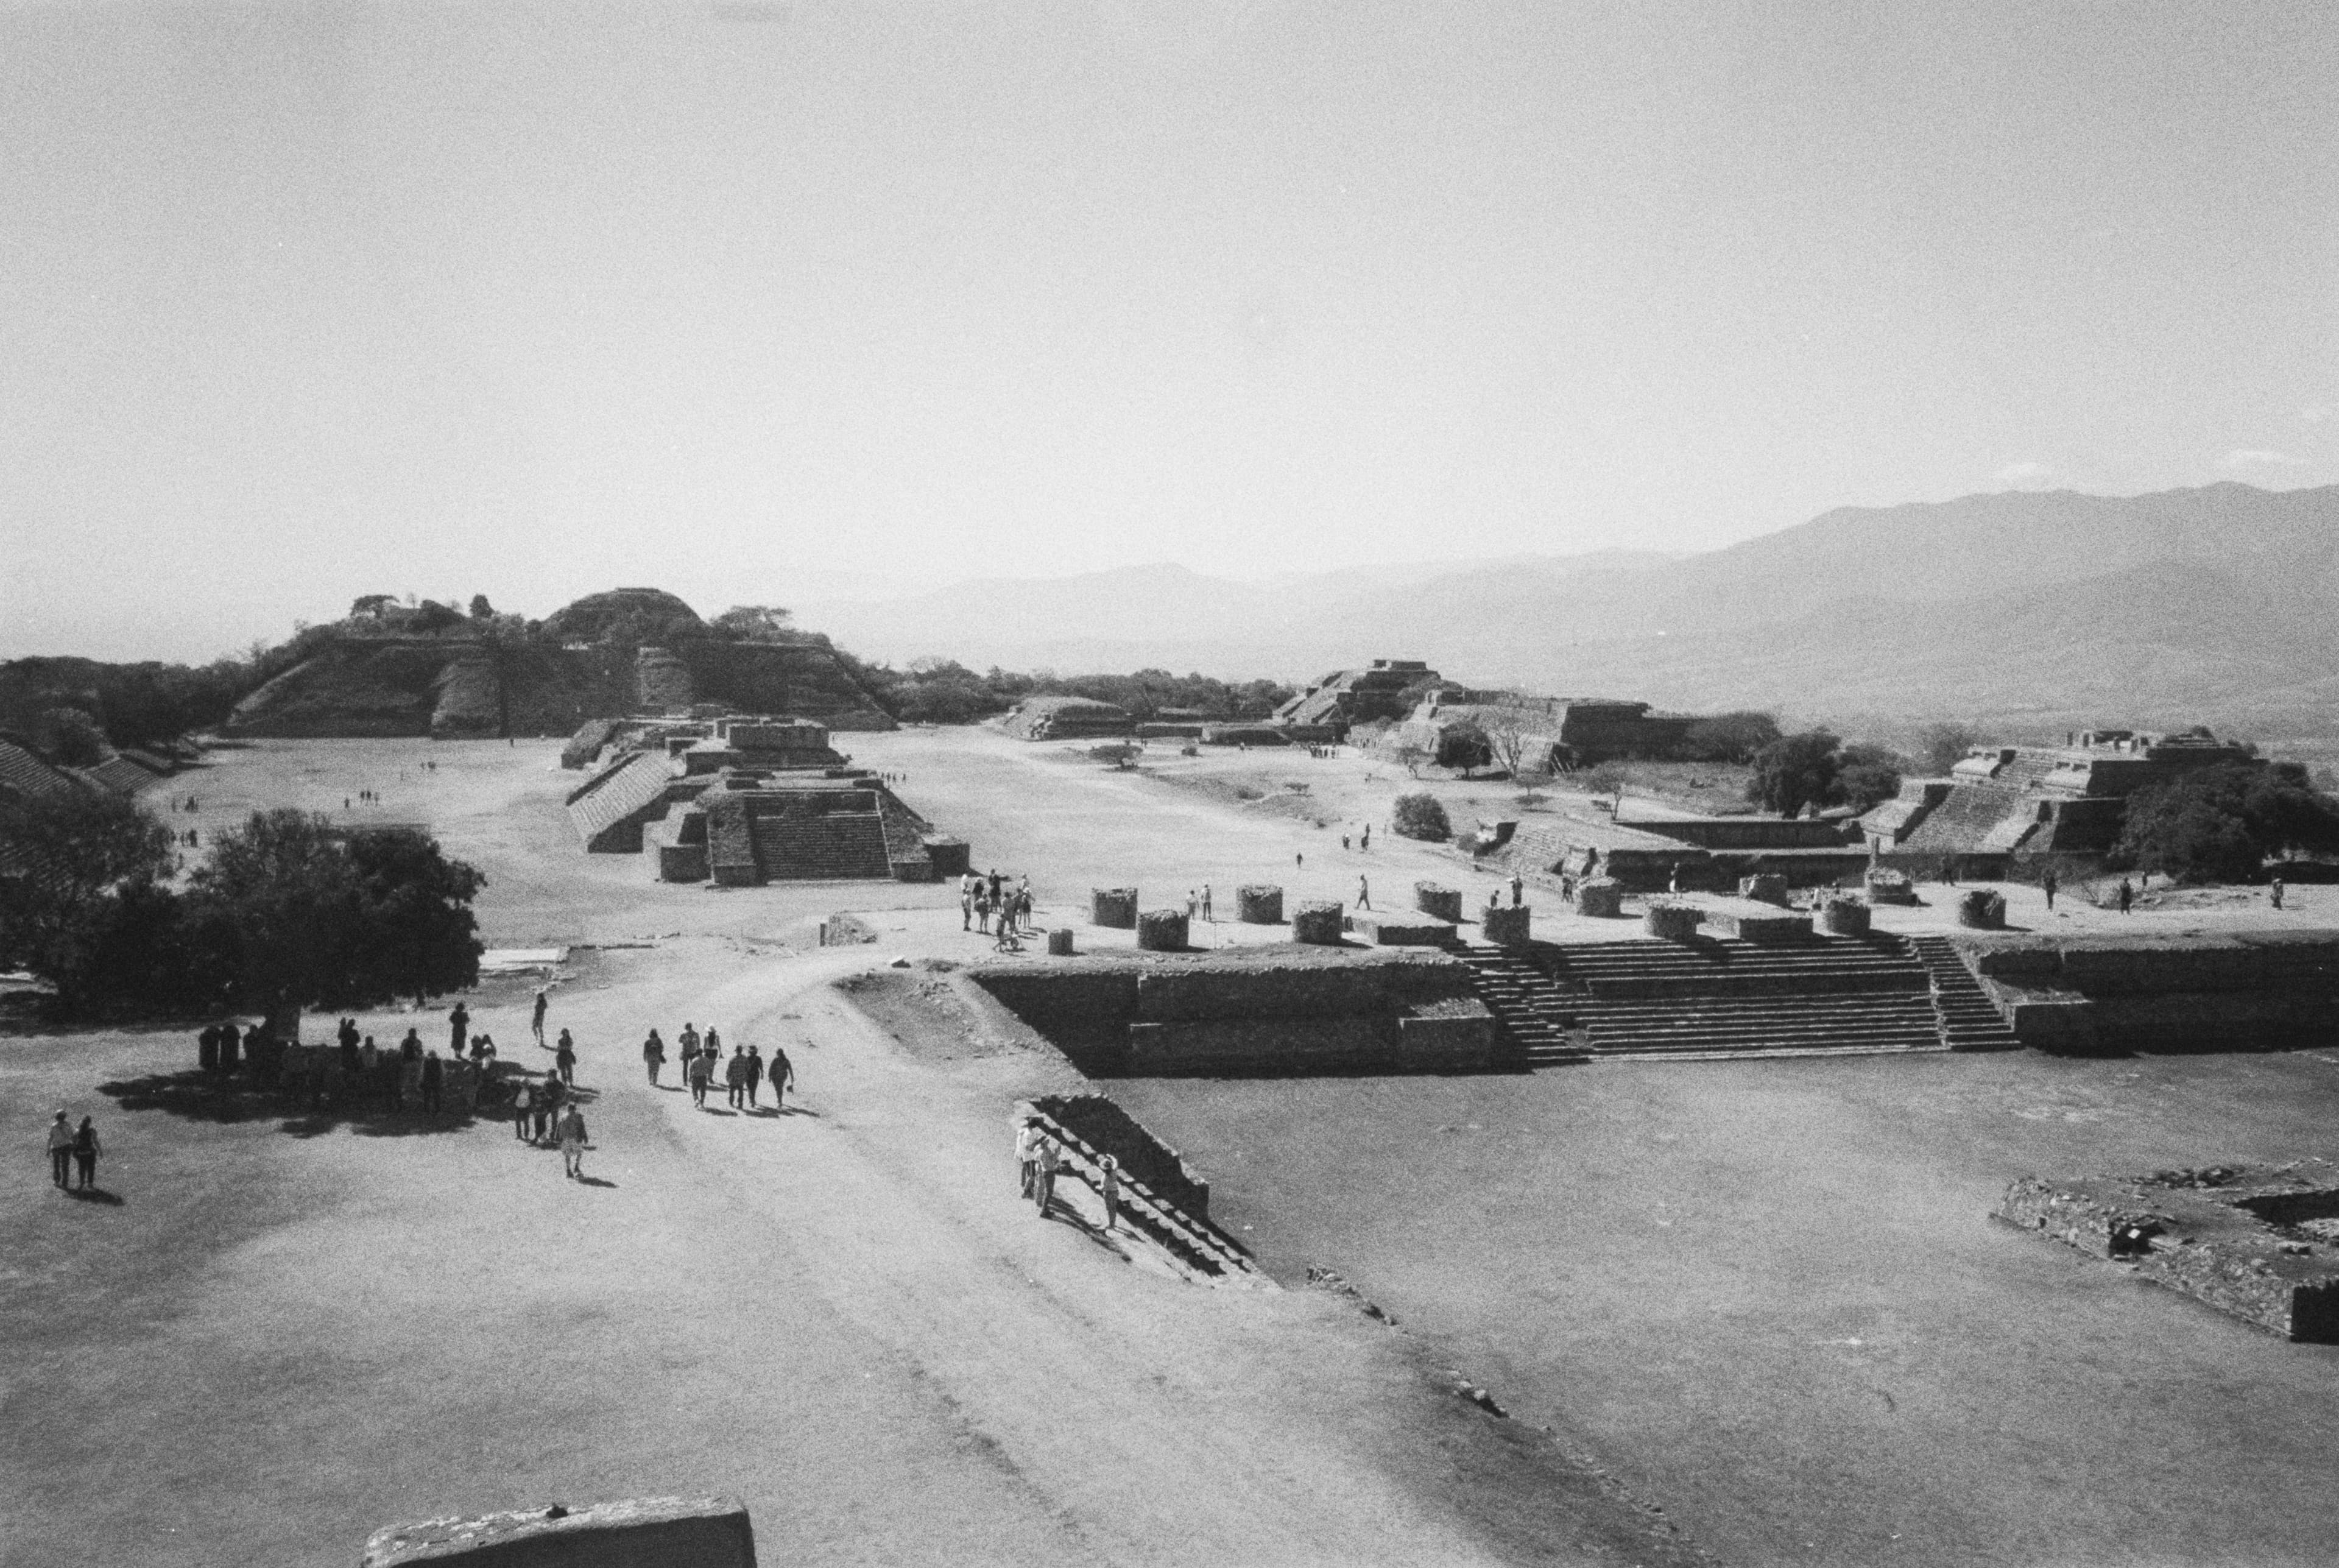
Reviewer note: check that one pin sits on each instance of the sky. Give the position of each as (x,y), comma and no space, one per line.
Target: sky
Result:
(764,303)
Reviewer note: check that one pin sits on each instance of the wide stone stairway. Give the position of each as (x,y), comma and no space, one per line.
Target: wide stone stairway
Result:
(831,846)
(1722,998)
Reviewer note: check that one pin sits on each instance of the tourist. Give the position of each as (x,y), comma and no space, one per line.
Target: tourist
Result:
(997,883)
(735,1081)
(1344,841)
(1109,1189)
(653,1056)
(207,1048)
(966,903)
(2047,883)
(754,1076)
(369,1058)
(2273,891)
(536,1020)
(547,1101)
(572,1142)
(983,910)
(1519,888)
(2126,897)
(564,1058)
(1299,861)
(701,1073)
(783,1073)
(347,1033)
(458,1025)
(711,1048)
(85,1151)
(1493,900)
(1367,843)
(1363,893)
(61,1141)
(1043,1179)
(689,1040)
(483,1050)
(434,1075)
(1027,1156)
(1192,903)
(523,1107)
(1207,915)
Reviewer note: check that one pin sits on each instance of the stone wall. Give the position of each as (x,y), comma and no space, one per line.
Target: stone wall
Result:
(1271,1010)
(1105,1126)
(2240,991)
(647,1533)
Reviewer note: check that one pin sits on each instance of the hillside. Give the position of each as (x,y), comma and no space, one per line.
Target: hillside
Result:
(377,676)
(2054,609)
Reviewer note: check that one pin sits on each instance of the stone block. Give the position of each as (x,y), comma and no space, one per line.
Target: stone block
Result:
(1436,898)
(681,861)
(1258,903)
(1162,931)
(645,1533)
(1059,943)
(1765,887)
(1600,898)
(1395,930)
(1887,886)
(1844,917)
(1319,921)
(1448,1037)
(1113,906)
(1760,922)
(1509,927)
(1672,922)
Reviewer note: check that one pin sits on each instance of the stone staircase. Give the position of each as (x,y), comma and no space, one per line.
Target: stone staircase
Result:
(1970,1021)
(1712,999)
(834,846)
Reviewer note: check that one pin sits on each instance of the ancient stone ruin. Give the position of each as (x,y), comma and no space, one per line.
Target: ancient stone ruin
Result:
(1061,718)
(645,1533)
(2259,1243)
(748,799)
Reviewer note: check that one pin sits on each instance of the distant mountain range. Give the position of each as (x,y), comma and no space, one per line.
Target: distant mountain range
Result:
(2030,610)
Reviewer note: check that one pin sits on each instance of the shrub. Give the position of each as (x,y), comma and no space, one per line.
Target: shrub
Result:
(1421,817)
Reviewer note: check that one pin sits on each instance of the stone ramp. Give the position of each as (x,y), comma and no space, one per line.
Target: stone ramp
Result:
(1826,996)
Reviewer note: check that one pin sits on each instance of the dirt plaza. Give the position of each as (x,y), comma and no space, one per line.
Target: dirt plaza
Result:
(1760,1296)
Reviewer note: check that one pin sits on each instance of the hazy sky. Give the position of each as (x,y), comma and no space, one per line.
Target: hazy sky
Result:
(298,304)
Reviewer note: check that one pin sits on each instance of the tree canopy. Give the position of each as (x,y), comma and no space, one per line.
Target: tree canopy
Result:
(2222,824)
(64,859)
(1816,768)
(1421,817)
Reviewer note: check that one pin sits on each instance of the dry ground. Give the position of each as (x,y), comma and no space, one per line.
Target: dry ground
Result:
(293,1328)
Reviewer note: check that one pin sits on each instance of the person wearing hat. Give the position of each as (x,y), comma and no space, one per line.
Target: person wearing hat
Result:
(61,1141)
(1109,1189)
(1043,1180)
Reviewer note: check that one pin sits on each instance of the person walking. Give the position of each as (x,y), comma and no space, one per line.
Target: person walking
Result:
(653,1056)
(85,1151)
(1518,890)
(572,1142)
(1366,840)
(965,903)
(983,910)
(2127,896)
(689,1040)
(1207,916)
(712,1046)
(2273,891)
(754,1076)
(207,1048)
(2047,883)
(1043,1180)
(1109,1189)
(701,1073)
(541,1110)
(459,1026)
(60,1142)
(563,1059)
(536,1019)
(1363,893)
(434,1077)
(735,1080)
(523,1107)
(783,1074)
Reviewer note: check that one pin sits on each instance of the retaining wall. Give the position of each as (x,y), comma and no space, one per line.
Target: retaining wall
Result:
(647,1533)
(2246,989)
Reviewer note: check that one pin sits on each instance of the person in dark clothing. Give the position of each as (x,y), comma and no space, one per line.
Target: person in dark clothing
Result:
(85,1152)
(754,1076)
(434,1076)
(654,1055)
(348,1034)
(547,1099)
(537,1021)
(230,1043)
(563,1059)
(207,1048)
(2127,896)
(781,1073)
(459,1026)
(2047,883)
(735,1080)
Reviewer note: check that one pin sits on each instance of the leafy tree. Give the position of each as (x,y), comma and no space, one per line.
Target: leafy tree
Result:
(480,609)
(71,738)
(64,857)
(1795,770)
(370,605)
(1606,779)
(1421,817)
(753,623)
(1465,745)
(2221,823)
(1866,775)
(1942,746)
(323,919)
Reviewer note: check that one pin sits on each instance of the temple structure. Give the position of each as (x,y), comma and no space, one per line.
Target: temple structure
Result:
(745,799)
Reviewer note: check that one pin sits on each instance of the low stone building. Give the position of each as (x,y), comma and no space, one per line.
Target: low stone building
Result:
(1058,718)
(1375,694)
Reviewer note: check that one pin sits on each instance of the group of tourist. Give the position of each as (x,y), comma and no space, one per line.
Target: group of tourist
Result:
(547,1112)
(981,896)
(743,1074)
(1364,841)
(1197,905)
(1039,1157)
(73,1149)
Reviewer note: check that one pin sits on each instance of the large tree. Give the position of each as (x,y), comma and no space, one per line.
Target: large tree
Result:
(321,918)
(2222,824)
(1795,770)
(66,855)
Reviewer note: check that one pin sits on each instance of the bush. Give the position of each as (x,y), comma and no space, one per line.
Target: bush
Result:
(1421,817)
(1733,738)
(2220,823)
